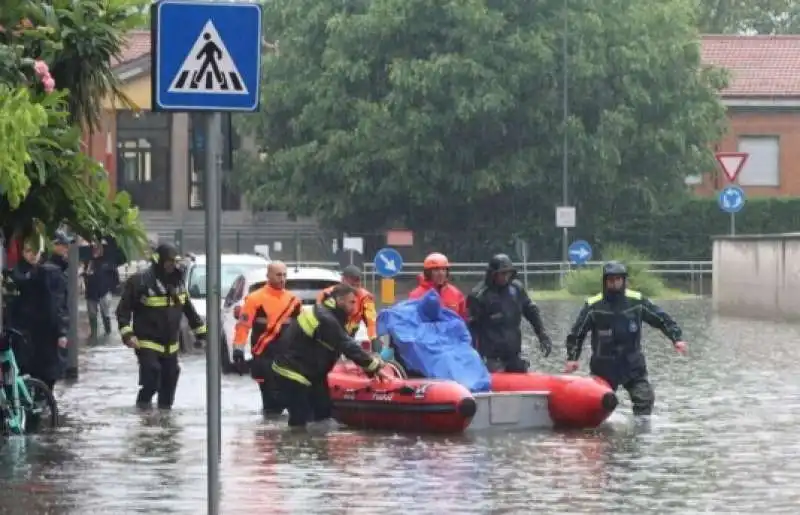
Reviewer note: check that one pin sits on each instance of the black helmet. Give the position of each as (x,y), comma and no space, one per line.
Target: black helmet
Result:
(614,268)
(165,252)
(351,272)
(500,263)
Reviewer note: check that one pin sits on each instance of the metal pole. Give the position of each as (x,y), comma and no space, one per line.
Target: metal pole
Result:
(73,300)
(733,224)
(565,157)
(213,276)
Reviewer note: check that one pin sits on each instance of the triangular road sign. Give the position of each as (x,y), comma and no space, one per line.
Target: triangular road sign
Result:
(208,68)
(732,163)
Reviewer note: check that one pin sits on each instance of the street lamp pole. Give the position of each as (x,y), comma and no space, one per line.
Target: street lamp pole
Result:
(565,158)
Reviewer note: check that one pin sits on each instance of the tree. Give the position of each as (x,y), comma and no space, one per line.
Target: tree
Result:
(445,114)
(46,180)
(748,16)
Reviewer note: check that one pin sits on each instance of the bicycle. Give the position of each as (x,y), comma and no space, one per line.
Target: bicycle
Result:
(26,403)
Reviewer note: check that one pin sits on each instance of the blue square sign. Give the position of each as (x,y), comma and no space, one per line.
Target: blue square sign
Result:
(206,55)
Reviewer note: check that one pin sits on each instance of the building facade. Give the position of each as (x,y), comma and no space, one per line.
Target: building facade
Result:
(763,102)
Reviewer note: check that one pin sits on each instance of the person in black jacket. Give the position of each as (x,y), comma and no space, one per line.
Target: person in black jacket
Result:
(101,277)
(50,348)
(307,350)
(149,314)
(23,292)
(495,309)
(615,317)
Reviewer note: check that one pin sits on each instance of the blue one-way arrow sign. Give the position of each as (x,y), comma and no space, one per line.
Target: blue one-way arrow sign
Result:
(206,55)
(731,199)
(579,252)
(388,262)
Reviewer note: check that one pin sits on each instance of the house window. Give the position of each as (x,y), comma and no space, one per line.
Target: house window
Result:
(231,199)
(762,166)
(143,158)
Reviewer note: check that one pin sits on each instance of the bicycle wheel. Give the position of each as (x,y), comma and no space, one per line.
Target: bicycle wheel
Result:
(43,412)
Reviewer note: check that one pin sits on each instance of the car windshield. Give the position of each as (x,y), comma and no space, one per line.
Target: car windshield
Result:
(198,286)
(305,289)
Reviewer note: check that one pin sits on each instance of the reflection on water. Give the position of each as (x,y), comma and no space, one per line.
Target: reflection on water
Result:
(723,439)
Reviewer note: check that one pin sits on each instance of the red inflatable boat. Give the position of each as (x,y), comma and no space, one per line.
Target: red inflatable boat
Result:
(438,406)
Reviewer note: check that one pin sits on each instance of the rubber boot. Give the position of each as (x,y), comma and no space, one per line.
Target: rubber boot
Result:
(92,330)
(107,325)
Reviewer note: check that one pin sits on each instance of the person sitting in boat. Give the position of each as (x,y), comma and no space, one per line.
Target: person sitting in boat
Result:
(430,341)
(308,349)
(496,307)
(436,276)
(615,318)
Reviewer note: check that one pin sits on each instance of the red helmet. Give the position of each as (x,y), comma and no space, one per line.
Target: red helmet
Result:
(434,261)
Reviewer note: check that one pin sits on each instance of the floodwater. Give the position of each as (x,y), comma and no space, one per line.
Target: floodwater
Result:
(724,439)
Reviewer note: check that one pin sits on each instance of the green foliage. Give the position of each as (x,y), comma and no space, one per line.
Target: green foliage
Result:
(748,16)
(440,116)
(58,184)
(20,121)
(589,280)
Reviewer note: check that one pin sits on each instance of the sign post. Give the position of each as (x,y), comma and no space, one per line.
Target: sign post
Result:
(207,58)
(565,220)
(580,252)
(388,264)
(731,199)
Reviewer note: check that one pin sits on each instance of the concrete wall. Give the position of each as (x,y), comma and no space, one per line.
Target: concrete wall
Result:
(757,276)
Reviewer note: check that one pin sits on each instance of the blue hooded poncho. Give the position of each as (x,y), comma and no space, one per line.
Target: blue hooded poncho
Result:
(434,341)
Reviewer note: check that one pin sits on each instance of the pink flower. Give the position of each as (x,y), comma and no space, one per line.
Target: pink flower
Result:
(41,69)
(49,84)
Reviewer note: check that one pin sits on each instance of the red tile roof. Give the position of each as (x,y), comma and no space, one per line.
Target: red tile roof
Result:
(759,66)
(138,45)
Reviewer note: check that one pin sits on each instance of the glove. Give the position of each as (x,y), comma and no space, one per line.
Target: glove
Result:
(545,345)
(238,360)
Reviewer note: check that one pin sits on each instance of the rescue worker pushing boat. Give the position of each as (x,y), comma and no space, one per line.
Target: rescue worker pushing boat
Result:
(615,319)
(264,313)
(149,315)
(307,350)
(496,307)
(436,275)
(365,304)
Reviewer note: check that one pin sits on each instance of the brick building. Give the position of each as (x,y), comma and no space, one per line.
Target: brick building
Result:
(763,101)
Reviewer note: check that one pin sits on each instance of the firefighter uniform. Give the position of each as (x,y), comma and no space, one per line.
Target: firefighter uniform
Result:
(151,308)
(263,315)
(308,350)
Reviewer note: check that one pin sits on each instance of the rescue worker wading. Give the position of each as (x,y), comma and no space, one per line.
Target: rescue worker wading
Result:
(264,314)
(149,315)
(496,307)
(308,350)
(436,274)
(365,305)
(615,319)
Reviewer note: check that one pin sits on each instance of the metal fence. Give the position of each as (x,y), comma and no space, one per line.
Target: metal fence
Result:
(690,276)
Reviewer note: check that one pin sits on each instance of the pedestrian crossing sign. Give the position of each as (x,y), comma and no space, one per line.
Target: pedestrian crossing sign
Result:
(208,68)
(206,55)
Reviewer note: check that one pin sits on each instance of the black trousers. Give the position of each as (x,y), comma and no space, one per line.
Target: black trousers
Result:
(305,403)
(642,395)
(515,364)
(158,374)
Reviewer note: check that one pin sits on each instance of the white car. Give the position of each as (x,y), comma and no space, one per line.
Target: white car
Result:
(232,266)
(305,282)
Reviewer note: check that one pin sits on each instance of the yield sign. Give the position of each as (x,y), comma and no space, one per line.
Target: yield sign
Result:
(731,163)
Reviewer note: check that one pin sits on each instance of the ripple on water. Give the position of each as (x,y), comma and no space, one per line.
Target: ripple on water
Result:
(723,440)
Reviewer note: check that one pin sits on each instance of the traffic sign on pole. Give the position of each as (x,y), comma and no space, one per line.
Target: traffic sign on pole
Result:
(565,217)
(731,199)
(579,252)
(206,55)
(731,163)
(388,262)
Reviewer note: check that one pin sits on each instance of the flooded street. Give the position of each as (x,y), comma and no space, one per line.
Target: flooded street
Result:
(723,439)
